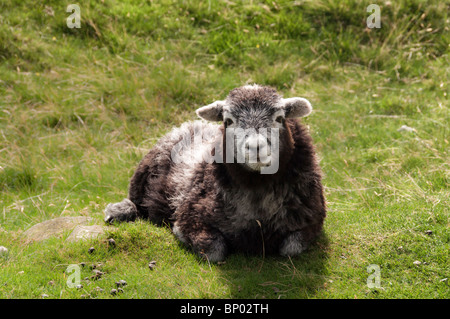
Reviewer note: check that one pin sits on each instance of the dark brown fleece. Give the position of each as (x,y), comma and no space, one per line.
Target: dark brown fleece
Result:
(201,217)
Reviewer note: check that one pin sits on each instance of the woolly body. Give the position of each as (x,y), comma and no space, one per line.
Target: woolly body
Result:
(219,207)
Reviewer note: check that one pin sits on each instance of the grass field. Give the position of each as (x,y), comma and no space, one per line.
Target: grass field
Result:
(80,107)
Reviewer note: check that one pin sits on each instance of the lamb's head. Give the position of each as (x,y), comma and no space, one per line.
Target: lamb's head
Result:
(255,115)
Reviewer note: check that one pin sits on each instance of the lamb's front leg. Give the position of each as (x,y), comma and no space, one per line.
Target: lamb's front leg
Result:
(206,241)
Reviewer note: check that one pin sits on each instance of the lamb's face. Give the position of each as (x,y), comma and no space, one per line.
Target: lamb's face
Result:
(254,117)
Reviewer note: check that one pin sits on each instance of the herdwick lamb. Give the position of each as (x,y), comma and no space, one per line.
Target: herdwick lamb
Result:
(247,191)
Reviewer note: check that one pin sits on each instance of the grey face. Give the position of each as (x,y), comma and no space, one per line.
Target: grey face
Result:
(254,117)
(253,121)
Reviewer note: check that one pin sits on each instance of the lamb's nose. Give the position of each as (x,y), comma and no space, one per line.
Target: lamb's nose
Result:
(257,146)
(252,144)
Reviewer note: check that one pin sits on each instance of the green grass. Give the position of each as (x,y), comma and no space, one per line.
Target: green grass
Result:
(80,107)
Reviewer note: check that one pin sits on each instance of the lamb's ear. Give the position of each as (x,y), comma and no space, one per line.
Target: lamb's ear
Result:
(211,112)
(296,107)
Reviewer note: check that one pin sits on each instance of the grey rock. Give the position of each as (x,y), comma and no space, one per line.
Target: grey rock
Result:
(54,227)
(85,232)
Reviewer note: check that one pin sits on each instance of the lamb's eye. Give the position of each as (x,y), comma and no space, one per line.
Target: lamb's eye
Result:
(228,122)
(279,119)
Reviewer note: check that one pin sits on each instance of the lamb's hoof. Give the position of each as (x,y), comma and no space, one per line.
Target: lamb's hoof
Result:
(110,214)
(109,219)
(216,253)
(123,211)
(292,245)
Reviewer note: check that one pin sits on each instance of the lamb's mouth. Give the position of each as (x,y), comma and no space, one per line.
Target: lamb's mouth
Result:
(256,166)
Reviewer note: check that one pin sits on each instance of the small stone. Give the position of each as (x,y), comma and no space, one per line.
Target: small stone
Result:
(49,11)
(3,250)
(152,265)
(79,286)
(429,232)
(112,242)
(82,264)
(44,296)
(98,289)
(120,290)
(97,274)
(406,128)
(443,280)
(417,263)
(51,283)
(91,250)
(121,283)
(113,292)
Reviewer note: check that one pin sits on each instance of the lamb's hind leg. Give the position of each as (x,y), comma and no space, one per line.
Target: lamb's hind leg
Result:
(298,241)
(125,210)
(209,244)
(293,245)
